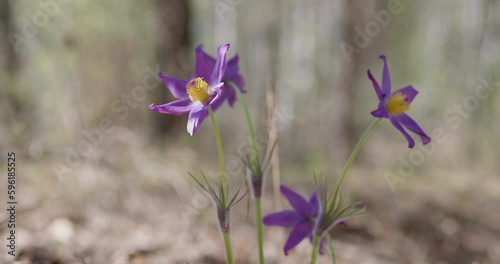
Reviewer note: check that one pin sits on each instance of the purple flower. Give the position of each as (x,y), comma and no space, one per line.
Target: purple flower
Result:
(394,105)
(232,74)
(198,93)
(303,218)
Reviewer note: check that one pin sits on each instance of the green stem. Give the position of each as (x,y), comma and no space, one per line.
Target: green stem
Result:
(331,201)
(258,208)
(249,122)
(229,250)
(260,240)
(329,239)
(314,255)
(221,156)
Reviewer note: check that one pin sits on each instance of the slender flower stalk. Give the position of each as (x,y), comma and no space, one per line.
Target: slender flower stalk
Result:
(229,250)
(332,200)
(330,245)
(255,164)
(251,130)
(260,239)
(223,211)
(315,250)
(223,208)
(220,151)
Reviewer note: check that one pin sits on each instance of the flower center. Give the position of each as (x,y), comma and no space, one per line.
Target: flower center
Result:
(197,90)
(397,104)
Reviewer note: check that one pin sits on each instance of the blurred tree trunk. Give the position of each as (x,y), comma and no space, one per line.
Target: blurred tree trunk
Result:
(8,57)
(352,17)
(173,40)
(9,61)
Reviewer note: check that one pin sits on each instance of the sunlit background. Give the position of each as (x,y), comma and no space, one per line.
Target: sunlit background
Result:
(102,179)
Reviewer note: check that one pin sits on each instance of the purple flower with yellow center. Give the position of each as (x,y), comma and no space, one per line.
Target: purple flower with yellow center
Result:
(394,105)
(232,74)
(198,93)
(303,218)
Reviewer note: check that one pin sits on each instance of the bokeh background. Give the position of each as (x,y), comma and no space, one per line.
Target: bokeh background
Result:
(88,193)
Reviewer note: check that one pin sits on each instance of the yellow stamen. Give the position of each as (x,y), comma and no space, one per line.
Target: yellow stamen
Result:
(197,89)
(397,104)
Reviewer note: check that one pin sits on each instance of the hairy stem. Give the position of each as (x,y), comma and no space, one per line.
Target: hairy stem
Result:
(221,157)
(331,201)
(229,250)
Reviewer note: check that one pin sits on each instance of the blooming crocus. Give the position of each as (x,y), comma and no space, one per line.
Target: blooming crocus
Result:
(303,218)
(232,74)
(198,93)
(394,105)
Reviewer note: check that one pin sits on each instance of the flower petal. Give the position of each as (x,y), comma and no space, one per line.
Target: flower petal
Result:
(314,204)
(409,92)
(238,80)
(178,107)
(298,203)
(219,98)
(413,126)
(176,86)
(232,66)
(203,67)
(386,77)
(284,218)
(208,59)
(381,112)
(220,65)
(231,96)
(233,73)
(298,234)
(196,117)
(376,86)
(225,92)
(398,126)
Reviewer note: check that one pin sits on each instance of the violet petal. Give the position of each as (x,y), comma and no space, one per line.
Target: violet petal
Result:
(409,123)
(409,92)
(386,77)
(195,119)
(398,126)
(380,112)
(220,65)
(376,86)
(176,86)
(284,218)
(296,201)
(298,234)
(178,107)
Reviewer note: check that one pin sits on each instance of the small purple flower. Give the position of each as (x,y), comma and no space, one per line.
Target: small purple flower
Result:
(394,105)
(232,74)
(303,219)
(198,93)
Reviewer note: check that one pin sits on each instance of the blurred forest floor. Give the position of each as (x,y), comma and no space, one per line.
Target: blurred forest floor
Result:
(108,214)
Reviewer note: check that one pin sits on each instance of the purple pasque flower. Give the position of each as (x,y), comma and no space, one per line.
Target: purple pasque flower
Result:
(303,218)
(198,93)
(394,105)
(232,74)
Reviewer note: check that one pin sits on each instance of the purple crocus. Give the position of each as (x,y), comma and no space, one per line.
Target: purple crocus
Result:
(198,93)
(232,75)
(394,105)
(303,218)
